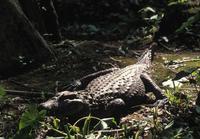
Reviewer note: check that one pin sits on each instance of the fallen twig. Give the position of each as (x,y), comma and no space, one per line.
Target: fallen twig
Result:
(23,85)
(28,93)
(166,47)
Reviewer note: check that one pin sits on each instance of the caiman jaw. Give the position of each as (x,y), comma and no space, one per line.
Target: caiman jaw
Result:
(66,107)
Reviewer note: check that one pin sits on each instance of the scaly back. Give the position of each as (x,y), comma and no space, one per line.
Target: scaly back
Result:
(121,79)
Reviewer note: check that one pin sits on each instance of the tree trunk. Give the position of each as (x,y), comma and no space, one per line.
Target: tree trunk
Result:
(34,14)
(51,19)
(43,16)
(198,99)
(21,45)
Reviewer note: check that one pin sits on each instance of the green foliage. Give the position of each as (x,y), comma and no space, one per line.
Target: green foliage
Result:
(56,123)
(157,127)
(196,74)
(176,133)
(3,96)
(139,133)
(31,117)
(193,19)
(150,17)
(86,131)
(176,2)
(197,109)
(29,121)
(174,100)
(168,126)
(149,14)
(86,126)
(184,73)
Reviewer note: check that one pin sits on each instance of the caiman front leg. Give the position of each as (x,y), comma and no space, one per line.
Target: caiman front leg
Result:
(115,108)
(81,84)
(151,86)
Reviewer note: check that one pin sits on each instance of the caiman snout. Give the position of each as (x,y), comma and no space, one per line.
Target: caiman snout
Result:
(49,105)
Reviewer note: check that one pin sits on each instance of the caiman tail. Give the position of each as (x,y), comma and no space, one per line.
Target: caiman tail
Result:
(147,56)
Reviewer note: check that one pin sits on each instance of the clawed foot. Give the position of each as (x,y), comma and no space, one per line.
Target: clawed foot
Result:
(160,103)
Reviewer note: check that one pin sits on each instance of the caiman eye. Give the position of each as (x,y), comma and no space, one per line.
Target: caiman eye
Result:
(67,95)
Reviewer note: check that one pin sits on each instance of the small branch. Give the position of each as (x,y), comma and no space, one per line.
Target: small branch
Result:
(166,47)
(23,85)
(28,93)
(115,60)
(111,131)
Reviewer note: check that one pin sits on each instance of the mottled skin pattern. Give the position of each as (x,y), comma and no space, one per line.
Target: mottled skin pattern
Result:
(111,92)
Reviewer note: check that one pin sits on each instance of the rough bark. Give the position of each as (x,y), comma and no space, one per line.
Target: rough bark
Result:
(21,44)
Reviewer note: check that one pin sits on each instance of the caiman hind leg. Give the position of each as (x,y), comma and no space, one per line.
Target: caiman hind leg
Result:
(151,86)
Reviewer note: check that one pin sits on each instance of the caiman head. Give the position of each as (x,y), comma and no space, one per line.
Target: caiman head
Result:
(147,56)
(66,103)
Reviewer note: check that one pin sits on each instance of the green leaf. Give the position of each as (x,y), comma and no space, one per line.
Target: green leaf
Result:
(154,17)
(138,133)
(92,28)
(188,23)
(86,126)
(24,134)
(75,129)
(198,77)
(105,123)
(2,92)
(176,2)
(169,125)
(198,109)
(114,121)
(147,9)
(31,117)
(184,73)
(67,131)
(56,123)
(42,114)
